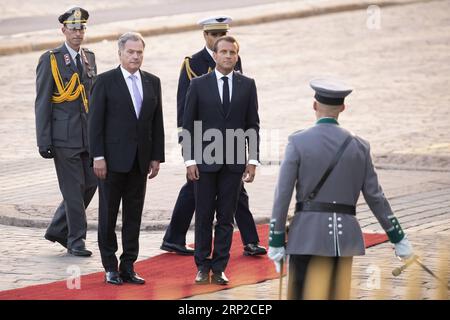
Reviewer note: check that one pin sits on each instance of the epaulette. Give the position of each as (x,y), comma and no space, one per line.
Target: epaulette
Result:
(186,64)
(88,50)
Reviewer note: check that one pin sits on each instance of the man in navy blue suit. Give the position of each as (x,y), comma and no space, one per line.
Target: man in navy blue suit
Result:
(201,63)
(222,107)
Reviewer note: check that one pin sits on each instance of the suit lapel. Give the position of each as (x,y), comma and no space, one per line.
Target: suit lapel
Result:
(148,93)
(120,80)
(209,60)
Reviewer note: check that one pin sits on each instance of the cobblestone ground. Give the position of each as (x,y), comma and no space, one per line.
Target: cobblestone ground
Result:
(372,275)
(401,75)
(401,101)
(28,259)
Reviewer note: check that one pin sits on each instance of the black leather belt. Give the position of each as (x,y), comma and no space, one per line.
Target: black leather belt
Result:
(325,207)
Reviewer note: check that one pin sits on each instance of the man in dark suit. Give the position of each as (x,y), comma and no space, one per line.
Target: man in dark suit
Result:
(64,77)
(201,63)
(127,142)
(221,106)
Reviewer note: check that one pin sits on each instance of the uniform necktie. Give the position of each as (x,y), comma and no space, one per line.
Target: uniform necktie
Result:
(136,94)
(79,65)
(225,95)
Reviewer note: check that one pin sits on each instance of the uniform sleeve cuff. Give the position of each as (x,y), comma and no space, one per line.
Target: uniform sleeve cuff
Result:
(254,162)
(395,234)
(276,238)
(99,158)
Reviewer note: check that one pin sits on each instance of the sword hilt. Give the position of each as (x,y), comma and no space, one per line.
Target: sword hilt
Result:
(397,271)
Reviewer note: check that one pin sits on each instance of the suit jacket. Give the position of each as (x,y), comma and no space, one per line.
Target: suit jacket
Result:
(203,104)
(200,63)
(308,155)
(114,130)
(62,124)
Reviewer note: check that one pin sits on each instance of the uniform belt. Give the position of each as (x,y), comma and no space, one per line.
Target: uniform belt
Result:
(325,207)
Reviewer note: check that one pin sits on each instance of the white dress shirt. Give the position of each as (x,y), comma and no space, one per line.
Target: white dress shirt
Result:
(73,53)
(129,82)
(219,76)
(220,83)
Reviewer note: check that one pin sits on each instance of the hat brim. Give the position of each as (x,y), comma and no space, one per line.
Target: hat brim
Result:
(75,26)
(217,27)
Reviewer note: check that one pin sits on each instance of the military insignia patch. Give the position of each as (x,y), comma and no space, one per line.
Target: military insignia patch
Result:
(67,59)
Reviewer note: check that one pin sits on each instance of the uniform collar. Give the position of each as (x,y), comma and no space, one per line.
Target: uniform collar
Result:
(327,120)
(72,52)
(210,52)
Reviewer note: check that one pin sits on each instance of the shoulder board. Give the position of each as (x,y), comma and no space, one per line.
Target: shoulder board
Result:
(190,73)
(87,50)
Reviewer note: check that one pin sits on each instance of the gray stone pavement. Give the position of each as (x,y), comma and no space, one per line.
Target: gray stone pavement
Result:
(39,15)
(401,75)
(109,21)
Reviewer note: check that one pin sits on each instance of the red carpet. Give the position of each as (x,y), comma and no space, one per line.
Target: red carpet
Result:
(168,276)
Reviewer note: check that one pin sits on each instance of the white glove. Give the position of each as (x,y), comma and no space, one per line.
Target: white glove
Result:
(403,249)
(276,254)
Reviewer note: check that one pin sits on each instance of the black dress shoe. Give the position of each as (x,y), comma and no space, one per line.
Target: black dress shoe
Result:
(177,248)
(62,242)
(219,278)
(80,252)
(202,277)
(113,277)
(131,277)
(254,249)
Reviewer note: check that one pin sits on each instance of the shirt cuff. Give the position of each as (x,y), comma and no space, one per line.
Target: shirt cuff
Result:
(99,158)
(254,162)
(190,163)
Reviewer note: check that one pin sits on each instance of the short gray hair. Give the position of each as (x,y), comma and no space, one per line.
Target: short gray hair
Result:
(133,36)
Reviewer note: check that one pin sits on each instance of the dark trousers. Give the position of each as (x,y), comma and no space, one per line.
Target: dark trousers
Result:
(130,189)
(77,183)
(184,210)
(215,193)
(319,278)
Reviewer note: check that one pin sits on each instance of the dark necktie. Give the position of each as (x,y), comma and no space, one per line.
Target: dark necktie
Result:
(79,65)
(225,96)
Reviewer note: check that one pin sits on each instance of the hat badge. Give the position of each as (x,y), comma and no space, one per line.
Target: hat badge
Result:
(77,14)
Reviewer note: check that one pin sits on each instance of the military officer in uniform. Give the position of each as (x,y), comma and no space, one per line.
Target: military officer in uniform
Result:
(324,234)
(201,63)
(64,77)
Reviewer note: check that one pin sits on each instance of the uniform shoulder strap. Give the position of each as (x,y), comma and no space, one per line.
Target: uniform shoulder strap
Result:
(187,65)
